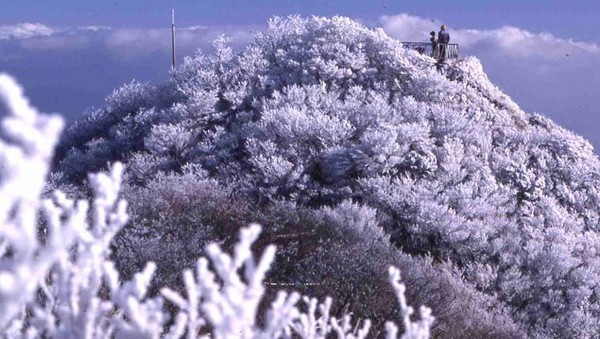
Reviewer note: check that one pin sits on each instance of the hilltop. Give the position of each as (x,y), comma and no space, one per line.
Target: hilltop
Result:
(356,153)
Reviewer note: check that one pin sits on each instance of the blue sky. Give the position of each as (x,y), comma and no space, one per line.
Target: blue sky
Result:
(570,19)
(71,54)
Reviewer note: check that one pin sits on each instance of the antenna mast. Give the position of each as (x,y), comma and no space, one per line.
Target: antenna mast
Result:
(173,37)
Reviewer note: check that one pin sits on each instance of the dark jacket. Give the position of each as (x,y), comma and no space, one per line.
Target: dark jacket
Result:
(443,37)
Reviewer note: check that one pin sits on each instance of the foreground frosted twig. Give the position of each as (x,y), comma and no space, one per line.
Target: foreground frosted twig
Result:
(27,144)
(412,330)
(231,306)
(62,263)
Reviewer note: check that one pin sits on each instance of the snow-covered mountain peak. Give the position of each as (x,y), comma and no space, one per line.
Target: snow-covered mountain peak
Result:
(320,112)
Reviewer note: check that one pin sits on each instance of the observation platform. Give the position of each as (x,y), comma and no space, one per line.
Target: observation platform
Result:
(426,48)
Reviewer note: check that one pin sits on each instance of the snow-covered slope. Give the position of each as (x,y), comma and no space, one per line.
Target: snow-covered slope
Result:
(321,112)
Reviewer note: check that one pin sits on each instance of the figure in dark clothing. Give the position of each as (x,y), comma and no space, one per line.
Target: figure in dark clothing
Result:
(443,40)
(434,45)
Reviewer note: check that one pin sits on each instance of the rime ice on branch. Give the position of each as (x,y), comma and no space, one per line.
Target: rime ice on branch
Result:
(26,147)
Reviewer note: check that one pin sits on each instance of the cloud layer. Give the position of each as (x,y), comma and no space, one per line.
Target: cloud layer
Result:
(120,42)
(24,31)
(506,41)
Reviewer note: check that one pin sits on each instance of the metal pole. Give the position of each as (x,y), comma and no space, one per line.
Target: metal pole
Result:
(173,37)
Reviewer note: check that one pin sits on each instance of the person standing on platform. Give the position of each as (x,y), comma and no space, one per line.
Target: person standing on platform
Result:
(434,45)
(443,40)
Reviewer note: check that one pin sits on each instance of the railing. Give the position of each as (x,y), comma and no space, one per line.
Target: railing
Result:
(442,52)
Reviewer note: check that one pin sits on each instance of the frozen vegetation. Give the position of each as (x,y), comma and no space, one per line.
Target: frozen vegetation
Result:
(57,280)
(354,155)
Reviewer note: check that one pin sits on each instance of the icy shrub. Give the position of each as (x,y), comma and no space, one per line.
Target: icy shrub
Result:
(324,253)
(173,218)
(57,281)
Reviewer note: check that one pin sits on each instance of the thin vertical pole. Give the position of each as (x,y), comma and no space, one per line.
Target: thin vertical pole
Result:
(173,37)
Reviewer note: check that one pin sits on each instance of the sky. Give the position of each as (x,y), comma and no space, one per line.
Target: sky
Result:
(70,55)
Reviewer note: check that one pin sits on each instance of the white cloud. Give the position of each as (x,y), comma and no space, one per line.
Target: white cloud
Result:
(120,42)
(517,42)
(195,28)
(25,30)
(94,28)
(39,37)
(407,27)
(54,43)
(130,42)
